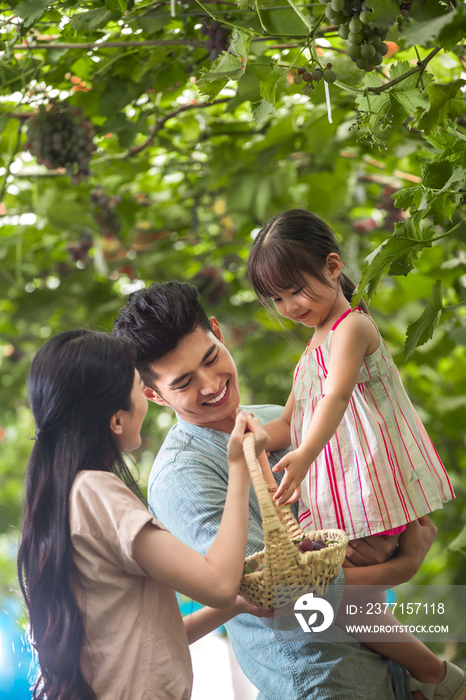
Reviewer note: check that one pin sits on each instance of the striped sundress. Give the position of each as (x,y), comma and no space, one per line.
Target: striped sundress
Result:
(380,469)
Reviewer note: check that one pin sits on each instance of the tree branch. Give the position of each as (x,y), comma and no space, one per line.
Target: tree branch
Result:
(110,44)
(161,123)
(421,66)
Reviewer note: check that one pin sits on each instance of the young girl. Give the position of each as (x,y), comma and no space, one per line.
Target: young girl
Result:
(361,460)
(97,570)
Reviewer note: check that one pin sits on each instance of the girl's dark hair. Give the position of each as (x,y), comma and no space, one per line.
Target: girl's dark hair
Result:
(291,245)
(78,380)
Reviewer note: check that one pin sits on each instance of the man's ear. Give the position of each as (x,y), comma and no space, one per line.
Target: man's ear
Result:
(116,425)
(151,395)
(216,329)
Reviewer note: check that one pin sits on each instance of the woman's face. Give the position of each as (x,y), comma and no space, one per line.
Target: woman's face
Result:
(129,422)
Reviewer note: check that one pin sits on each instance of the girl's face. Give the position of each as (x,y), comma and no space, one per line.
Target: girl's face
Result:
(127,424)
(311,305)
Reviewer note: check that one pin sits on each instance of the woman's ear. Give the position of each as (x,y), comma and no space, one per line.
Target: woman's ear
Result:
(151,395)
(116,425)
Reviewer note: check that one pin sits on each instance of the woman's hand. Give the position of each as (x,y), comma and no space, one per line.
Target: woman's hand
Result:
(242,606)
(244,424)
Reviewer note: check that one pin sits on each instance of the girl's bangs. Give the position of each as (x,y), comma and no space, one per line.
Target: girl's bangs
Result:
(275,268)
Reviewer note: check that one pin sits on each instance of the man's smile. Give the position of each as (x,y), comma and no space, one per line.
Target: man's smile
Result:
(221,397)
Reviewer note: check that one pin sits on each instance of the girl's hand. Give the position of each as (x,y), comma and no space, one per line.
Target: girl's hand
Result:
(296,466)
(244,424)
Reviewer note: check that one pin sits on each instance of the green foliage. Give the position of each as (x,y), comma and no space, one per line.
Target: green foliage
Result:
(190,180)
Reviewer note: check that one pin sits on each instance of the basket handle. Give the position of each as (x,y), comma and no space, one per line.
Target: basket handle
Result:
(264,482)
(270,519)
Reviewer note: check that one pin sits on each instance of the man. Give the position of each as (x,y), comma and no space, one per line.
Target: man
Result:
(185,365)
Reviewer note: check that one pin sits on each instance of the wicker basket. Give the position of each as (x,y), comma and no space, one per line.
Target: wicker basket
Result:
(285,567)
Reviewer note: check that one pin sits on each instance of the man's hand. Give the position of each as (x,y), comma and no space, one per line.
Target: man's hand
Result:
(297,466)
(417,539)
(374,549)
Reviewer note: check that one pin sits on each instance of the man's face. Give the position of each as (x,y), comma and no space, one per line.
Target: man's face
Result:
(198,379)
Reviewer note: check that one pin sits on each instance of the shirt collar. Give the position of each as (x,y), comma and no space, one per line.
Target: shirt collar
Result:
(198,431)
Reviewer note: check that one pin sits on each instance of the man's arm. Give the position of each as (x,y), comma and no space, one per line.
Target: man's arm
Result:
(415,542)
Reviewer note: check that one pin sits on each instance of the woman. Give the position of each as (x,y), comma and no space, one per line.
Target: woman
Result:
(97,570)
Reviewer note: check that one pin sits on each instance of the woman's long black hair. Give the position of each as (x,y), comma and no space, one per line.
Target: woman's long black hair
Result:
(78,380)
(291,245)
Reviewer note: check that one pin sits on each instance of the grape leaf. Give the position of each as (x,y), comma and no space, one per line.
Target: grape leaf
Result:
(446,102)
(422,330)
(116,7)
(384,12)
(31,10)
(397,252)
(211,88)
(269,84)
(89,21)
(459,543)
(436,174)
(454,32)
(232,63)
(421,33)
(376,105)
(406,197)
(261,110)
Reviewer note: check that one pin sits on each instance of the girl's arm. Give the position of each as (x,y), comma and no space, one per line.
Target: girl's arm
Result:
(279,429)
(212,579)
(351,341)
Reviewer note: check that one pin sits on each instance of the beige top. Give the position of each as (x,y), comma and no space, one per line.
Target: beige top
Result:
(136,646)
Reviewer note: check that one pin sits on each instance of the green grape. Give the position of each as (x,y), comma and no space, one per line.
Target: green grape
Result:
(355,25)
(316,75)
(344,31)
(329,76)
(365,17)
(330,14)
(337,5)
(355,37)
(376,59)
(307,89)
(382,49)
(375,40)
(297,80)
(367,51)
(362,63)
(354,51)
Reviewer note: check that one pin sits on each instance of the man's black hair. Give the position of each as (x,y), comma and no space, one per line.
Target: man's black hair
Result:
(156,319)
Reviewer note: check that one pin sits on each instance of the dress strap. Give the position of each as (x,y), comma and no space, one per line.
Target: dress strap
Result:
(344,316)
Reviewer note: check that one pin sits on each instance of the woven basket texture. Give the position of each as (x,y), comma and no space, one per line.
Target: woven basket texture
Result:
(285,567)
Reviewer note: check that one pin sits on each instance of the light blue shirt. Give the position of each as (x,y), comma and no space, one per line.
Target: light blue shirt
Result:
(187,492)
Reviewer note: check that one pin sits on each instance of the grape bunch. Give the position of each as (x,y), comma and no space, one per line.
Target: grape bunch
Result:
(103,211)
(311,77)
(217,38)
(79,249)
(366,44)
(60,137)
